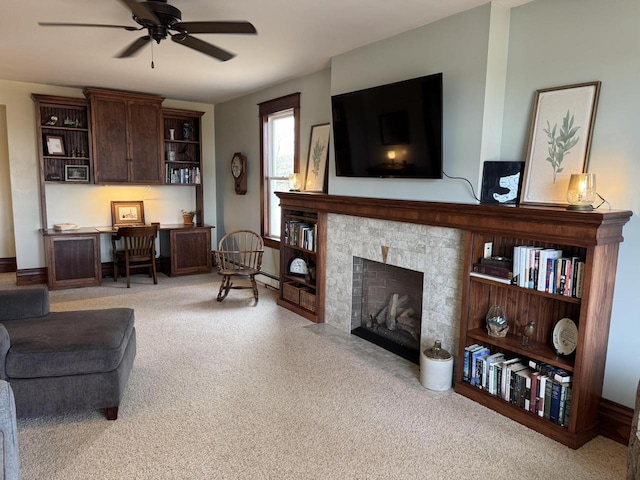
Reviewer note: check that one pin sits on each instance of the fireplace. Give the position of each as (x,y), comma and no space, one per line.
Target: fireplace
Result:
(387,306)
(437,253)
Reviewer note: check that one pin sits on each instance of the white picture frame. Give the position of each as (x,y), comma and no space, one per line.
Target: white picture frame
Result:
(317,158)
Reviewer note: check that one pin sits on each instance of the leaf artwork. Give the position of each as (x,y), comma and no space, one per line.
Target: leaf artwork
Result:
(318,150)
(560,143)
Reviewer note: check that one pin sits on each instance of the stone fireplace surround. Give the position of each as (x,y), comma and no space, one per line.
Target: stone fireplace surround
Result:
(437,252)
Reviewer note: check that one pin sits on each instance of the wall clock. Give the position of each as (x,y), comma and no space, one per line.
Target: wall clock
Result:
(239,173)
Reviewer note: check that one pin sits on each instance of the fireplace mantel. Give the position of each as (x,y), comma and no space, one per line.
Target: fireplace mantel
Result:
(548,224)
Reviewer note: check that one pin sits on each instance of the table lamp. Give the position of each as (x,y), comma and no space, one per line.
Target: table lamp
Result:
(294,182)
(581,192)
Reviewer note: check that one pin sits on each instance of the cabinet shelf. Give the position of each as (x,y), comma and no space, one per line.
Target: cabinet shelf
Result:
(300,280)
(188,142)
(512,343)
(298,249)
(182,162)
(59,157)
(530,291)
(68,129)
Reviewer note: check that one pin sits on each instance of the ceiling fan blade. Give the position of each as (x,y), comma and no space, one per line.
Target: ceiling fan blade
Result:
(134,47)
(141,11)
(215,27)
(54,24)
(202,47)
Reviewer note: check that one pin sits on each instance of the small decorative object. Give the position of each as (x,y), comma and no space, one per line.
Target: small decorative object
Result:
(497,323)
(317,158)
(294,182)
(187,130)
(172,134)
(53,177)
(171,156)
(565,336)
(298,267)
(581,192)
(501,182)
(187,217)
(559,142)
(55,145)
(527,333)
(436,368)
(68,122)
(52,120)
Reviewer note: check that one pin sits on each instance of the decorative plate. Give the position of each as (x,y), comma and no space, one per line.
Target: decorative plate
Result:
(565,336)
(298,267)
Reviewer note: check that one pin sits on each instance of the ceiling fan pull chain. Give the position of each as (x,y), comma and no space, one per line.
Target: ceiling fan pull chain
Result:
(152,65)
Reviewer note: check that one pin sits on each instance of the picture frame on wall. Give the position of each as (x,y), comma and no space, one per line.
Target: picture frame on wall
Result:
(55,145)
(76,173)
(127,213)
(559,141)
(501,182)
(317,159)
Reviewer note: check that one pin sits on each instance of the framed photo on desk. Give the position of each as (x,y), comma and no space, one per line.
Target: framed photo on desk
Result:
(127,213)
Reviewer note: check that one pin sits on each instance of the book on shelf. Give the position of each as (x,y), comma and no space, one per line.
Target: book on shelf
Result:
(480,374)
(491,270)
(555,373)
(545,255)
(504,379)
(541,394)
(474,379)
(567,407)
(547,398)
(488,381)
(506,281)
(554,408)
(534,393)
(466,371)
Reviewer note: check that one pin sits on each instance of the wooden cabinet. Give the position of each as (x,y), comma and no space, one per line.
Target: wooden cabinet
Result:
(182,152)
(591,314)
(73,258)
(127,137)
(302,243)
(188,249)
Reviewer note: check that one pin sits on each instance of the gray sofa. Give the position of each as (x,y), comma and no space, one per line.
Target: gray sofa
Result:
(9,460)
(58,362)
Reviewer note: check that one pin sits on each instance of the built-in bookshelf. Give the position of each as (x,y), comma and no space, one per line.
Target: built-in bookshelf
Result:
(301,261)
(516,374)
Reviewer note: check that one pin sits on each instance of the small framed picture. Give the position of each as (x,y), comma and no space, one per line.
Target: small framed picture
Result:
(317,158)
(76,173)
(55,145)
(127,213)
(501,182)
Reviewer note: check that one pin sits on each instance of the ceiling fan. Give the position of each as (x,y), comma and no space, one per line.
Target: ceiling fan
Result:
(161,20)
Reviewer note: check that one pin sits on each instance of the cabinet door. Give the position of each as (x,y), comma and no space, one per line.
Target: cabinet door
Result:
(145,121)
(73,260)
(111,152)
(190,251)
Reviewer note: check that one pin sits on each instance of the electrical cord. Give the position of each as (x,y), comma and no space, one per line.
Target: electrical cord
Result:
(602,202)
(462,178)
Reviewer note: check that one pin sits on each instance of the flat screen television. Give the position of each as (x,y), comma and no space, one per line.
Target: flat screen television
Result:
(392,130)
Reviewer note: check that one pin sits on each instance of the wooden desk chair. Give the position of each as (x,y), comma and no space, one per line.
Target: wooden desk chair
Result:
(138,250)
(239,254)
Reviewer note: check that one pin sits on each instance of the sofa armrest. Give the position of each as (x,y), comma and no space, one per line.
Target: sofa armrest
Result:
(5,344)
(24,303)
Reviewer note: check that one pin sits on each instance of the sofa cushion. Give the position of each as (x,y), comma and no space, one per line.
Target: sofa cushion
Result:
(68,343)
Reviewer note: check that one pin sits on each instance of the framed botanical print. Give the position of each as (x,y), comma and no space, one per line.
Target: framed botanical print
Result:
(559,141)
(317,158)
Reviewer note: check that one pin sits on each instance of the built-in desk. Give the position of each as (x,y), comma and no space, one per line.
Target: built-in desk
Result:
(73,256)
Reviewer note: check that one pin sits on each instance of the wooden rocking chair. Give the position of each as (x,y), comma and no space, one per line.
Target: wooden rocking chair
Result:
(239,254)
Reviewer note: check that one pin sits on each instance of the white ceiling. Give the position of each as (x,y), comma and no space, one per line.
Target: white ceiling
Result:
(295,37)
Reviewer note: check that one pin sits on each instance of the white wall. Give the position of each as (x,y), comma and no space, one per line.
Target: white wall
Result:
(560,43)
(86,205)
(7,243)
(238,130)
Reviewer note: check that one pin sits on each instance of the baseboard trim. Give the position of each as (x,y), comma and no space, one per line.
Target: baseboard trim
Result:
(31,276)
(8,265)
(615,421)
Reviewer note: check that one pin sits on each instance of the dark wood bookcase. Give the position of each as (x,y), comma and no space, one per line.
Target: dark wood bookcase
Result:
(593,236)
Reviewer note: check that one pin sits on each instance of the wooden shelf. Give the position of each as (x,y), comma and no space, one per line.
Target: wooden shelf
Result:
(300,280)
(530,291)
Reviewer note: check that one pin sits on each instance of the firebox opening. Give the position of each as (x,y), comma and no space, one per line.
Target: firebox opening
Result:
(387,307)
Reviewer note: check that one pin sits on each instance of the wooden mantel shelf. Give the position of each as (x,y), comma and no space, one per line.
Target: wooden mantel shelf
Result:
(548,224)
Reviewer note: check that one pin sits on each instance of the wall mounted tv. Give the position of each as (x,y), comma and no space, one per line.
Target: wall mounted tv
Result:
(392,130)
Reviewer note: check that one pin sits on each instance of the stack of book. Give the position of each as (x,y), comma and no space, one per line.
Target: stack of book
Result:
(538,387)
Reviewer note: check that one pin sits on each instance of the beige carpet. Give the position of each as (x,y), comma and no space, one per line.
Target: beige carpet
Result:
(235,391)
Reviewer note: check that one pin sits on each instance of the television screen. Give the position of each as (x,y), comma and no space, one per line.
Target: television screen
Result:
(392,130)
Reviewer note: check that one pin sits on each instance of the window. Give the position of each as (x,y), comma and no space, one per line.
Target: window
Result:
(279,138)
